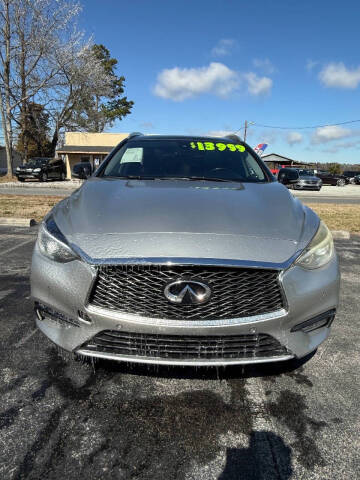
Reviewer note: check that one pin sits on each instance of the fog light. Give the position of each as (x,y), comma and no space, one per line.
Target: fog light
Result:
(320,321)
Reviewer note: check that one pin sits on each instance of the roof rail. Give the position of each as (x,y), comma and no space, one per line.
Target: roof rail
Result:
(135,134)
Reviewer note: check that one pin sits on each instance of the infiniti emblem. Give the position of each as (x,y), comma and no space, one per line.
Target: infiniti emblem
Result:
(187,292)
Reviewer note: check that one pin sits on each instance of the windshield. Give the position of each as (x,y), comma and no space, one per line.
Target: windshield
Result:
(305,172)
(186,159)
(36,162)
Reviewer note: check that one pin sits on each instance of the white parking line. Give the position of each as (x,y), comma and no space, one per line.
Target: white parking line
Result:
(26,338)
(4,252)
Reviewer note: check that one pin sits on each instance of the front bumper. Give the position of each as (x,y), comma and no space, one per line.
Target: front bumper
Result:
(66,287)
(307,186)
(28,175)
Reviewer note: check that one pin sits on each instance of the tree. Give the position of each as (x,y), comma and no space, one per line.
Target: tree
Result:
(101,109)
(33,138)
(335,168)
(81,76)
(31,32)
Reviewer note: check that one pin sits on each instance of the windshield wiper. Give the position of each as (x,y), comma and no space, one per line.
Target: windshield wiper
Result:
(195,178)
(191,178)
(130,177)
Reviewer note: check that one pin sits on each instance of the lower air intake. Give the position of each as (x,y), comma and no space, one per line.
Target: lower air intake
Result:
(185,346)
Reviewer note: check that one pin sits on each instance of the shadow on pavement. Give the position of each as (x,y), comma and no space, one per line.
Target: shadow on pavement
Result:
(266,458)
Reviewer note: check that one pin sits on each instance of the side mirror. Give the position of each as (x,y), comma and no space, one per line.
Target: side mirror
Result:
(81,170)
(287,176)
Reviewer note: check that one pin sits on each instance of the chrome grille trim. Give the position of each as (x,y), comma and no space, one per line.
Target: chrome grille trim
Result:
(139,290)
(164,322)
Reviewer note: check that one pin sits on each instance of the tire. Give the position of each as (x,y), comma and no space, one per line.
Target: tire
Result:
(44,177)
(318,189)
(21,179)
(341,182)
(62,176)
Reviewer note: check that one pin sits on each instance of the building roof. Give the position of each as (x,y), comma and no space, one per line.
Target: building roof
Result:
(84,149)
(275,157)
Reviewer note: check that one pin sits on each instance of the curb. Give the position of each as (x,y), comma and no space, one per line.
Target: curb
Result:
(17,222)
(340,234)
(47,185)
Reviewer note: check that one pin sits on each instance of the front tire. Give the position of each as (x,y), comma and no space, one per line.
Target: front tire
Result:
(341,182)
(21,179)
(62,176)
(44,177)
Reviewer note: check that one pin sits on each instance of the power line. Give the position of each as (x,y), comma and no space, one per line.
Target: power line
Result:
(303,128)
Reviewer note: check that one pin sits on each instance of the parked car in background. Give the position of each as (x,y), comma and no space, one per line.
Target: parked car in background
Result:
(82,170)
(307,180)
(332,178)
(351,174)
(185,251)
(42,169)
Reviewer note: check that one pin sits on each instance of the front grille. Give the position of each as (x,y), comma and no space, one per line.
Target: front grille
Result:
(139,289)
(185,346)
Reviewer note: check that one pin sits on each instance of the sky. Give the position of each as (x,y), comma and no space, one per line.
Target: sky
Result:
(199,67)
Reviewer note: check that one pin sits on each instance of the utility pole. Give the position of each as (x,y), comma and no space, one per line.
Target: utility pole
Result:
(245,129)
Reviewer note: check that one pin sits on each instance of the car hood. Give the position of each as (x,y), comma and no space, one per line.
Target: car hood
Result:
(115,219)
(28,167)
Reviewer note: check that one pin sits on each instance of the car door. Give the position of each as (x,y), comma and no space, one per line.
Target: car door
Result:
(58,169)
(327,178)
(51,168)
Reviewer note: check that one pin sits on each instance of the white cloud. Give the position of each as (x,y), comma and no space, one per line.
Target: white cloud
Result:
(264,64)
(180,83)
(219,133)
(341,146)
(311,64)
(338,75)
(223,47)
(294,137)
(332,132)
(258,85)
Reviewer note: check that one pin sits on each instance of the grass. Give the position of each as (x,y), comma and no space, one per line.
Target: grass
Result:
(341,216)
(336,216)
(6,178)
(27,206)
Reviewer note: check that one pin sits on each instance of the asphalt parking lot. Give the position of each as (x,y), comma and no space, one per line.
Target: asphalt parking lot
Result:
(61,420)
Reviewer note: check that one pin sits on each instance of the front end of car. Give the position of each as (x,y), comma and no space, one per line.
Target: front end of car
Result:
(26,172)
(140,309)
(308,183)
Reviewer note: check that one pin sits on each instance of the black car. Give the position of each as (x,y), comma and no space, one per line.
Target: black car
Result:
(357,179)
(332,178)
(351,174)
(42,169)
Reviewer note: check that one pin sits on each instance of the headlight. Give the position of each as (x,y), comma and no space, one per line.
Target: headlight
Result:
(17,168)
(53,244)
(319,251)
(37,170)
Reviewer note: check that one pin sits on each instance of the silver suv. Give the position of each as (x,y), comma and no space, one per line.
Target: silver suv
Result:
(183,250)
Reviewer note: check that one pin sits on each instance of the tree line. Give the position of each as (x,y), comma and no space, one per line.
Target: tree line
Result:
(53,78)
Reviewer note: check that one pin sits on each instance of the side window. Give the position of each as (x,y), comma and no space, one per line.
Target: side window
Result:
(252,167)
